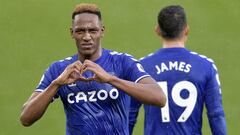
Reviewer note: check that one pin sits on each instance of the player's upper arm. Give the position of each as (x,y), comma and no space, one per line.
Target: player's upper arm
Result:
(213,96)
(152,85)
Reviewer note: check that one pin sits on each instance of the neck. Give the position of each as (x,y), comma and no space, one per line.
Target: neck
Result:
(92,57)
(173,44)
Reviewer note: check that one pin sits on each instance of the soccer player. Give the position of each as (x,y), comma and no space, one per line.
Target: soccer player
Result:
(188,79)
(94,85)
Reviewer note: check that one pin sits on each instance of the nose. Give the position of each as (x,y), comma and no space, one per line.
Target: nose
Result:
(87,36)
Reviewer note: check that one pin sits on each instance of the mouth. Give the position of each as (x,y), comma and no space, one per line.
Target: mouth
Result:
(86,45)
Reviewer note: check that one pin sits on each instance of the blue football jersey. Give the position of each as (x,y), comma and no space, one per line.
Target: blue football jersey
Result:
(94,108)
(189,81)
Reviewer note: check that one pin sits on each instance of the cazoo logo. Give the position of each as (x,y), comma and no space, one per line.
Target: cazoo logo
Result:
(92,96)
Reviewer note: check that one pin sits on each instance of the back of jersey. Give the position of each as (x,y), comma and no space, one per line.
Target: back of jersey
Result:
(188,80)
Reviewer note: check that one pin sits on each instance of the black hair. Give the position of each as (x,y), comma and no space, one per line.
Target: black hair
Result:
(172,20)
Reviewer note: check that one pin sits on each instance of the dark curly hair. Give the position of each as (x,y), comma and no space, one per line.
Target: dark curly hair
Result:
(172,20)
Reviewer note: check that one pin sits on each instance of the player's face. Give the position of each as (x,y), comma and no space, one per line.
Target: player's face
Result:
(87,31)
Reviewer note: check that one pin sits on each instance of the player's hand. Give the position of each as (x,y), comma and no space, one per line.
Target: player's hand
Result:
(100,75)
(71,74)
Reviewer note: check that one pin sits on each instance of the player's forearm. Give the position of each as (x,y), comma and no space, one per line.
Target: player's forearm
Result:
(34,108)
(217,120)
(147,93)
(218,125)
(215,111)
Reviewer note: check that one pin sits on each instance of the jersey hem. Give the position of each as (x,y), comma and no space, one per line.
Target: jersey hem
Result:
(141,78)
(39,90)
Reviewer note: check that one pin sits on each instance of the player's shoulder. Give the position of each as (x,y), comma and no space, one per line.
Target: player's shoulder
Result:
(147,57)
(63,63)
(120,55)
(201,57)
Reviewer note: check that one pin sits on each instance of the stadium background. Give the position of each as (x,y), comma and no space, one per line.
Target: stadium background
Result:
(35,33)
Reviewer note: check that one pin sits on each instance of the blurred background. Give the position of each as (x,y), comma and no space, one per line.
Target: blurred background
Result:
(34,33)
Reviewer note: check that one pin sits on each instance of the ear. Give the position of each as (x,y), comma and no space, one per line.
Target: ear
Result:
(71,32)
(158,30)
(186,30)
(102,31)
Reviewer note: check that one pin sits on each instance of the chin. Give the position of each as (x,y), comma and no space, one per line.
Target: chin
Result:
(86,54)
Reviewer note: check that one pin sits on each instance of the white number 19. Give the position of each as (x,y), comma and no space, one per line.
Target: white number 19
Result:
(188,102)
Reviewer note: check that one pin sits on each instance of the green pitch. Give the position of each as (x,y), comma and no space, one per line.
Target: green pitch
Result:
(35,33)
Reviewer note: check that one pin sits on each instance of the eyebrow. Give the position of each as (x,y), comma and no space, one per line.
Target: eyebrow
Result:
(87,28)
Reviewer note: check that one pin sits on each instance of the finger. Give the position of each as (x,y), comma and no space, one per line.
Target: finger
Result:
(89,63)
(76,63)
(79,62)
(66,74)
(83,67)
(71,80)
(90,79)
(75,73)
(86,66)
(68,71)
(83,70)
(89,69)
(82,78)
(94,77)
(78,67)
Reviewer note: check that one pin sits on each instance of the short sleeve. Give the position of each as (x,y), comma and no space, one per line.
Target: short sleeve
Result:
(47,79)
(133,70)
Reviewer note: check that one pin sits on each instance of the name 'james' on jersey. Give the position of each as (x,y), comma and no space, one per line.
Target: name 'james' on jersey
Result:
(189,81)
